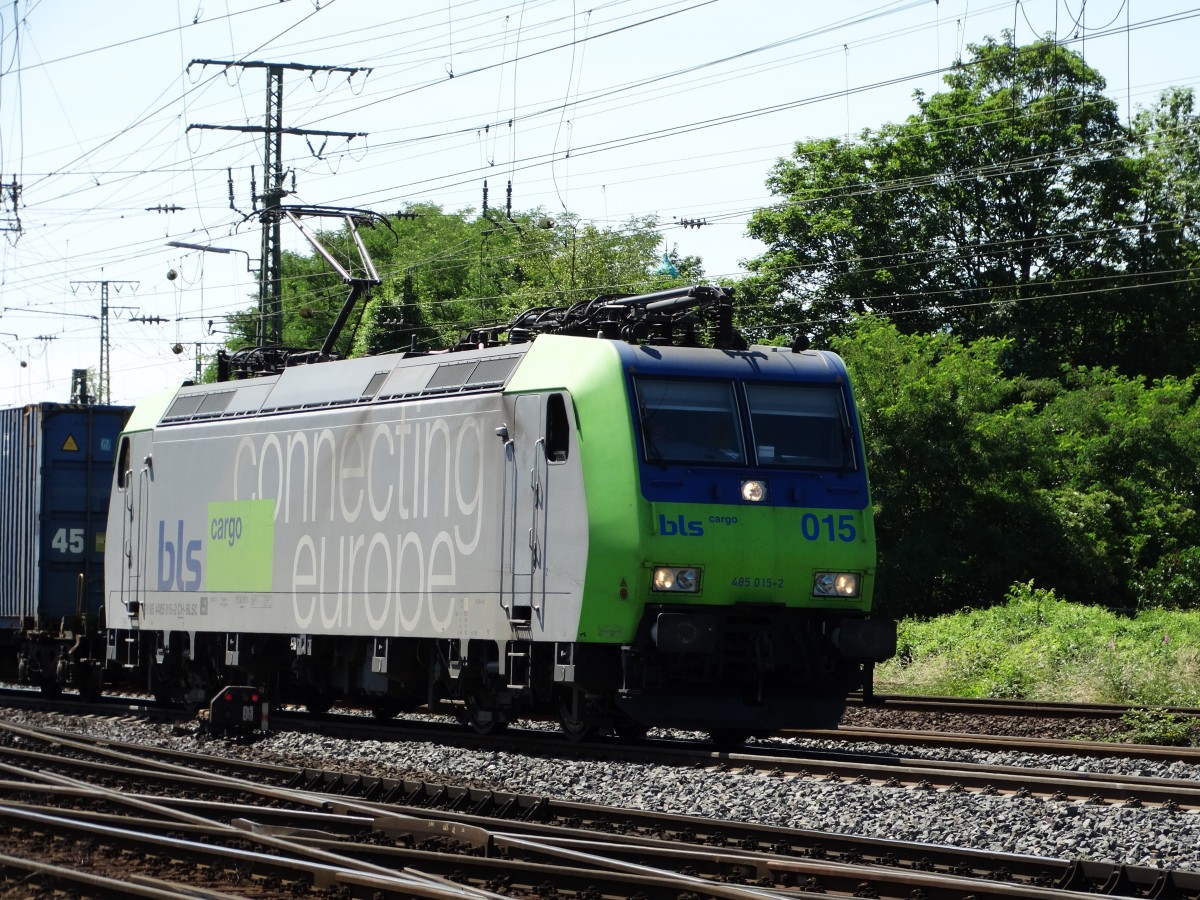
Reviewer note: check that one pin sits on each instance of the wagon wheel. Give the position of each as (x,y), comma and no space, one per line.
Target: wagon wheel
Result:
(318,703)
(573,717)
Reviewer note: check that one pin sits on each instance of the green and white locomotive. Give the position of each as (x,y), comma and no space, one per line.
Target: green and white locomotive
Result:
(594,517)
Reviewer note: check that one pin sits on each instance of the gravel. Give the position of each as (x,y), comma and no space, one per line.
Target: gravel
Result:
(1029,826)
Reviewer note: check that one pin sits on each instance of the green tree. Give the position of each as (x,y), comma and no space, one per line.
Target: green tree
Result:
(1161,326)
(575,261)
(840,244)
(1123,472)
(957,519)
(443,273)
(993,211)
(1088,484)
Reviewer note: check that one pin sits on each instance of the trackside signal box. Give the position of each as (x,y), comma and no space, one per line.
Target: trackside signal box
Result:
(239,708)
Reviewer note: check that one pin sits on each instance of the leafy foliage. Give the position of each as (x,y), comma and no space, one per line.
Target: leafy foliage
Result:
(1011,205)
(1159,726)
(443,273)
(1089,484)
(930,409)
(1161,326)
(1171,583)
(1039,646)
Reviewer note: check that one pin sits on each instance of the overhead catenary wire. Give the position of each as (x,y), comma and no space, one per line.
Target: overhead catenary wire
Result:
(963,174)
(981,246)
(812,99)
(216,171)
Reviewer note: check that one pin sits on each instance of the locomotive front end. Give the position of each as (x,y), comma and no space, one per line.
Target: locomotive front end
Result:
(758,546)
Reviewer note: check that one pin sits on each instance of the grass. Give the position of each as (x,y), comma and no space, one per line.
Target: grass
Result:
(1038,647)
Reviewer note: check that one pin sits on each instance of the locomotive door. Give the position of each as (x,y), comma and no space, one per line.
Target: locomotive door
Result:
(134,487)
(523,544)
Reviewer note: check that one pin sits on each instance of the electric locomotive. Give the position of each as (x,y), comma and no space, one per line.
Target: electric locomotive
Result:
(583,512)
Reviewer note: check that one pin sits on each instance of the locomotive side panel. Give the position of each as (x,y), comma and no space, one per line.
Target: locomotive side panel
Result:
(385,521)
(126,557)
(615,567)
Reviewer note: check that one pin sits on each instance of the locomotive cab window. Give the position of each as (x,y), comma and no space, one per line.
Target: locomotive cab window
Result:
(123,472)
(800,425)
(689,422)
(558,429)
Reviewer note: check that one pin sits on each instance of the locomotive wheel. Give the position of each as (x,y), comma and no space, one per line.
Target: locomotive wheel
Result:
(631,731)
(728,738)
(168,685)
(572,716)
(91,684)
(390,707)
(386,710)
(318,703)
(482,721)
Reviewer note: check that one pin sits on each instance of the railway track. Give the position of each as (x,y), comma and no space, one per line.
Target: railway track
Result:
(1003,707)
(882,703)
(842,762)
(886,769)
(288,831)
(911,737)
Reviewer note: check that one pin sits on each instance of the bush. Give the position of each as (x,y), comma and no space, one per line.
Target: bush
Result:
(1174,583)
(1040,647)
(1157,726)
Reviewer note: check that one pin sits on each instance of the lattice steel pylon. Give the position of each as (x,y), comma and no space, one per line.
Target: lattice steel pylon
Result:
(103,391)
(10,219)
(270,283)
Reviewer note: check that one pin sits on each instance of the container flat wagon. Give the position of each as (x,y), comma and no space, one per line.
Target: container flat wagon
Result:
(56,468)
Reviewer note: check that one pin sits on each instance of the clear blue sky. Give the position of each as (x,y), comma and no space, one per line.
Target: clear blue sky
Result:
(617,109)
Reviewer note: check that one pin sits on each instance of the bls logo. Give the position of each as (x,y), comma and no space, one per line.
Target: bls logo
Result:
(176,558)
(679,527)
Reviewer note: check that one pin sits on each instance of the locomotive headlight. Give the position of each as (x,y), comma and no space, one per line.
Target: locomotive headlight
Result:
(754,491)
(679,579)
(835,584)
